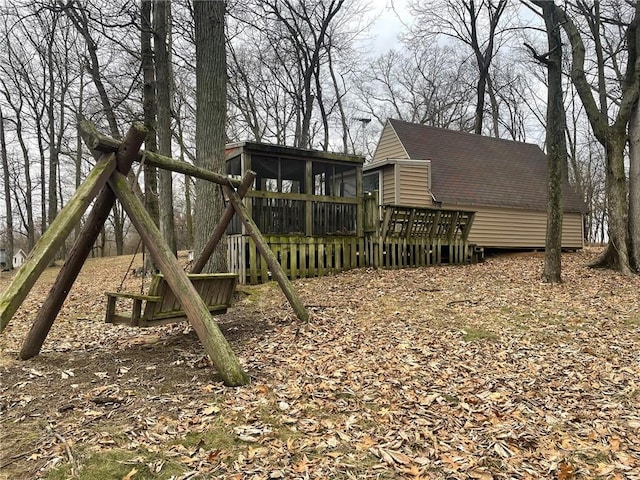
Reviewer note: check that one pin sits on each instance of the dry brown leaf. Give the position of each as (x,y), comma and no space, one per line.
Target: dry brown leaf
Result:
(399,457)
(480,475)
(130,475)
(565,471)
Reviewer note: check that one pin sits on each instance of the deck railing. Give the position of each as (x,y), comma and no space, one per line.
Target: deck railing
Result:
(393,237)
(288,216)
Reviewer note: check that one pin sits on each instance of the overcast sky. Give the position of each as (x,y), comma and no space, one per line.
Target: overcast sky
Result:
(387,27)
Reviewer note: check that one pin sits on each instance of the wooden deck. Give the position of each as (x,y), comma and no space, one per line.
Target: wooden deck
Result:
(405,237)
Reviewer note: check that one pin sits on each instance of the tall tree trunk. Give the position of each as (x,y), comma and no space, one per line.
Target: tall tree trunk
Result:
(43,179)
(187,184)
(343,116)
(188,210)
(78,16)
(612,137)
(484,57)
(78,159)
(118,229)
(9,245)
(616,255)
(481,88)
(52,211)
(556,145)
(28,188)
(80,20)
(211,102)
(495,109)
(149,108)
(162,28)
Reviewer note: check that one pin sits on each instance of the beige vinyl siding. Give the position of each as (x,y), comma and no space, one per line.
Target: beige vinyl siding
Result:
(516,228)
(389,146)
(413,184)
(573,230)
(388,185)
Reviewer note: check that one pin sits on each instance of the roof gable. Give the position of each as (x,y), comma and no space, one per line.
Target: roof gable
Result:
(389,145)
(471,169)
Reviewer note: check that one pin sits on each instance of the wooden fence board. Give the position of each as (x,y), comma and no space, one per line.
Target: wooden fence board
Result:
(406,237)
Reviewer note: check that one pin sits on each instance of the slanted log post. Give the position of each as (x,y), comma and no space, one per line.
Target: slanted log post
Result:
(197,312)
(218,232)
(127,152)
(51,240)
(267,254)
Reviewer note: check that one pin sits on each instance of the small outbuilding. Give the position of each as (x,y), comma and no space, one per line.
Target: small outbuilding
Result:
(503,181)
(18,258)
(4,265)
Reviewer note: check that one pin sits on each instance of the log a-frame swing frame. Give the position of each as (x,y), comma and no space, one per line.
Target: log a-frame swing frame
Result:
(106,183)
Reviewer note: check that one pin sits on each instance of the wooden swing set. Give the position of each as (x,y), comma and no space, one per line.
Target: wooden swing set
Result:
(176,295)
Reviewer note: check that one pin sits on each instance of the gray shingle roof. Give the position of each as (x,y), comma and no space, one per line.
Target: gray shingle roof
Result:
(472,169)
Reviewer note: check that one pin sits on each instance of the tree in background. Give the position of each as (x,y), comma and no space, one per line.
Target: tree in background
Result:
(211,109)
(15,94)
(6,184)
(162,48)
(612,136)
(477,27)
(291,66)
(298,75)
(149,110)
(86,26)
(555,143)
(419,85)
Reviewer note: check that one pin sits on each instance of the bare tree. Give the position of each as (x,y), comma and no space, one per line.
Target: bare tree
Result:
(555,143)
(149,109)
(9,245)
(419,85)
(612,136)
(297,93)
(162,46)
(120,29)
(476,26)
(634,186)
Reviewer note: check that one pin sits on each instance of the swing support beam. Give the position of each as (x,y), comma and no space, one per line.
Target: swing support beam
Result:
(81,248)
(109,179)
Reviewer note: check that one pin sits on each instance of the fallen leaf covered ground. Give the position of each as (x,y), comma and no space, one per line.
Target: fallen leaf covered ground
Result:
(452,372)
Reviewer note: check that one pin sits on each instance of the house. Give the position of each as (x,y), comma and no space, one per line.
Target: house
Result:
(313,213)
(18,258)
(503,181)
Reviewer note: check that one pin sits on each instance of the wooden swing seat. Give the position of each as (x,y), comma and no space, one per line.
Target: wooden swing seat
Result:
(160,305)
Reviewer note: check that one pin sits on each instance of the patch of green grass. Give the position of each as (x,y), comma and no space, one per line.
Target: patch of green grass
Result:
(471,334)
(593,458)
(217,436)
(633,320)
(117,464)
(114,433)
(451,399)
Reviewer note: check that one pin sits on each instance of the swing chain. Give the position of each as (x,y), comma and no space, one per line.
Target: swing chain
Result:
(119,289)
